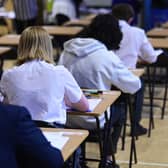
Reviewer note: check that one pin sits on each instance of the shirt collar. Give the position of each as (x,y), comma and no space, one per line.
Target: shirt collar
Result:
(123,23)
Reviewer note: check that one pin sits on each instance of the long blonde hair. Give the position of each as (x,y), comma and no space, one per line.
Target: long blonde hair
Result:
(35,43)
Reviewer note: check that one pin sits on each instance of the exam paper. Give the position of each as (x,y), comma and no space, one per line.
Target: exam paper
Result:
(93,102)
(56,139)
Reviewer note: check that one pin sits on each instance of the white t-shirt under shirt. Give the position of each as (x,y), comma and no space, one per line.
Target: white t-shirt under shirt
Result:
(41,87)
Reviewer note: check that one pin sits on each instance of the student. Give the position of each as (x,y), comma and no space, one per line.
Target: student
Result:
(26,14)
(38,85)
(134,46)
(93,65)
(62,11)
(22,144)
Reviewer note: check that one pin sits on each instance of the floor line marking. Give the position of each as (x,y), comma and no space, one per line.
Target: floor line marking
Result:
(146,163)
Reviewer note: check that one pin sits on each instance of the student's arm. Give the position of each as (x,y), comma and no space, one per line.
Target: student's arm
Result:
(147,52)
(81,105)
(121,77)
(32,147)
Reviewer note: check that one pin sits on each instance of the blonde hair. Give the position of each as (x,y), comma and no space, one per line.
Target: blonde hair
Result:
(35,44)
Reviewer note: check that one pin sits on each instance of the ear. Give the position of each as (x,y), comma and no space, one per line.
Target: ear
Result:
(130,20)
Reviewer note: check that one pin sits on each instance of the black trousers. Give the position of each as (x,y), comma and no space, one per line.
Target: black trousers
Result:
(20,25)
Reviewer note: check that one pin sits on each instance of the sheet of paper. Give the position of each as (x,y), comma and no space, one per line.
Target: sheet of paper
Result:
(93,103)
(56,139)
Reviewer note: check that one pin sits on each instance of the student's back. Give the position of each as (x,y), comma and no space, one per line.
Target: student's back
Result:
(93,66)
(37,84)
(134,44)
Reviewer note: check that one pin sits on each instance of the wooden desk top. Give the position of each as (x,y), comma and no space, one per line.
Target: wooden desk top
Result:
(76,137)
(62,30)
(13,39)
(4,50)
(9,40)
(157,32)
(138,72)
(159,42)
(108,98)
(82,22)
(165,25)
(89,17)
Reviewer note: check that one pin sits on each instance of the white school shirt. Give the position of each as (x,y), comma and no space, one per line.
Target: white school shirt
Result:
(135,44)
(65,7)
(41,87)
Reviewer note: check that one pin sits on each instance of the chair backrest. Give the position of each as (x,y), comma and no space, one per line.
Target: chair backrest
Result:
(61,18)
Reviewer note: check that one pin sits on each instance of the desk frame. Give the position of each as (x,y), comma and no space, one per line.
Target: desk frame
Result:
(108,98)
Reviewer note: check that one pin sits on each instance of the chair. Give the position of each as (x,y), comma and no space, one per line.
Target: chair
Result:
(61,18)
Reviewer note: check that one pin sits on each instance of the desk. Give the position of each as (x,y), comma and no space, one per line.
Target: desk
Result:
(13,39)
(9,40)
(107,99)
(62,30)
(4,50)
(74,141)
(81,22)
(89,17)
(158,32)
(159,42)
(138,72)
(165,25)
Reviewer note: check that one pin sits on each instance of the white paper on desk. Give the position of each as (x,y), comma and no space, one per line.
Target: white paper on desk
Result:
(93,103)
(56,139)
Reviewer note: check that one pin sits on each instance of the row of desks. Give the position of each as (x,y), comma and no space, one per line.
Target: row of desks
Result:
(13,39)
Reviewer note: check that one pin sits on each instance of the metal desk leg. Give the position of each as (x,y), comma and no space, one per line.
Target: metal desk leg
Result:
(107,134)
(151,78)
(132,117)
(165,95)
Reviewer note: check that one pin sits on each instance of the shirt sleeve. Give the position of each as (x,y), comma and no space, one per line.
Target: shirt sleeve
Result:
(121,77)
(72,89)
(147,52)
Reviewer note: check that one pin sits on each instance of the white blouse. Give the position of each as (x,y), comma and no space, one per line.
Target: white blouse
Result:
(41,87)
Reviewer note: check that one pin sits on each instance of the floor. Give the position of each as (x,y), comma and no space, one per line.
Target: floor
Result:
(151,152)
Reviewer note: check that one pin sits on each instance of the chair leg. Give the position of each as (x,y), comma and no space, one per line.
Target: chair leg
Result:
(133,145)
(124,129)
(151,94)
(165,96)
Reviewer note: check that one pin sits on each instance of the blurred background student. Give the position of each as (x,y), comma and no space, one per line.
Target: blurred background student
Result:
(134,47)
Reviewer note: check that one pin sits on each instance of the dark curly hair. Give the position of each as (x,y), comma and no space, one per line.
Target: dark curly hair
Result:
(104,28)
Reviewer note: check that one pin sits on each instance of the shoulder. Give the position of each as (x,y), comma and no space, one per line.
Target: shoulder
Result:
(137,30)
(13,112)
